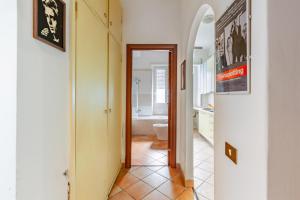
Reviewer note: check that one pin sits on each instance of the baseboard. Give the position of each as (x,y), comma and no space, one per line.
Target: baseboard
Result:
(188,183)
(116,176)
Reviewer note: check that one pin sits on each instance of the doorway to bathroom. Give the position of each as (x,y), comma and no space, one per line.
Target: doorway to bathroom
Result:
(151,101)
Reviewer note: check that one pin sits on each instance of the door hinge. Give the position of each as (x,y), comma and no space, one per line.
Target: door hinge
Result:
(69,191)
(76,9)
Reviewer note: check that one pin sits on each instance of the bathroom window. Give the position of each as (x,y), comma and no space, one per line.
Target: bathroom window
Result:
(199,75)
(160,89)
(160,75)
(203,80)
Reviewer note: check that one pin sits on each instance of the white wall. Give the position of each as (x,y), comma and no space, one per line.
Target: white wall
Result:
(152,21)
(148,22)
(146,59)
(239,119)
(284,98)
(43,114)
(8,98)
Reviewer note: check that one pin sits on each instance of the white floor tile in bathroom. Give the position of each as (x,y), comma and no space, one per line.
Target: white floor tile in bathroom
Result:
(203,168)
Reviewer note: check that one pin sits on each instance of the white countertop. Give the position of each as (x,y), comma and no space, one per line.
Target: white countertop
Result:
(203,110)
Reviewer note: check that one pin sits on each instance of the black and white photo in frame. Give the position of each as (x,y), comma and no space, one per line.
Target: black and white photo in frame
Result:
(49,22)
(233,49)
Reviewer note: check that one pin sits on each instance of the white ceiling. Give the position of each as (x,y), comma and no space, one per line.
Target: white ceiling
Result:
(205,36)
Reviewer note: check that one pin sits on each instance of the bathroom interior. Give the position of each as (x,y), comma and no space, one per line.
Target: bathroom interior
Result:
(203,104)
(150,93)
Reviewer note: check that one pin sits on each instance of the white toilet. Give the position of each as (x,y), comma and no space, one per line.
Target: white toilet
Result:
(161,131)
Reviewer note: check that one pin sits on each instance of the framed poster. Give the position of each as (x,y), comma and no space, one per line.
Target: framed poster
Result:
(183,75)
(233,49)
(49,22)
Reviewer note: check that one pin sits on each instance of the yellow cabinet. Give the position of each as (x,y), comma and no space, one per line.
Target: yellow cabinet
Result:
(98,105)
(206,125)
(91,105)
(115,19)
(100,7)
(115,109)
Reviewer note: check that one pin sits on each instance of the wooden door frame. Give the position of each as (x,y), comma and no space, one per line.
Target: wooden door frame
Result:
(172,114)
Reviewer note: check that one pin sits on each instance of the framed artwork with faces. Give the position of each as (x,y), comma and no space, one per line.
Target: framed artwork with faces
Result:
(49,22)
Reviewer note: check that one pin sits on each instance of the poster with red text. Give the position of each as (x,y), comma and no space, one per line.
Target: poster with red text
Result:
(233,49)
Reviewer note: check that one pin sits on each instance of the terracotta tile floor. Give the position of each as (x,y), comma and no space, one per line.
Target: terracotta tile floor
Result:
(203,168)
(150,183)
(143,153)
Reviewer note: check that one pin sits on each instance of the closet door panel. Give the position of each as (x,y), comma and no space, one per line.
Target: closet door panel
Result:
(100,7)
(114,120)
(91,102)
(115,19)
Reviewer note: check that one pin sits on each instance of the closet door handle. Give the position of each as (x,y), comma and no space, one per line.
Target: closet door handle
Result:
(66,173)
(110,110)
(106,110)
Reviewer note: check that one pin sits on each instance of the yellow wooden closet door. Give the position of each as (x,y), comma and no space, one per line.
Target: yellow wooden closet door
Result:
(115,19)
(91,103)
(101,8)
(114,120)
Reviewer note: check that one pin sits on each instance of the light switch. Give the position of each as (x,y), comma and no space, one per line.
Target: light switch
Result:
(231,152)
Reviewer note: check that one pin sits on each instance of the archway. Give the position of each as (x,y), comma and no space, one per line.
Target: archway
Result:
(204,16)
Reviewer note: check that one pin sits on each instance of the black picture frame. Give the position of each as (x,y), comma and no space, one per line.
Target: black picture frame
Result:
(49,22)
(233,49)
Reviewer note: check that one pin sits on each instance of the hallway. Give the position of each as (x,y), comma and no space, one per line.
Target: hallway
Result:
(66,103)
(164,183)
(150,183)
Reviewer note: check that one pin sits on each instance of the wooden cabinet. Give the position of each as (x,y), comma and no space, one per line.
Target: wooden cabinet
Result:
(97,106)
(110,13)
(91,104)
(100,7)
(206,125)
(115,109)
(115,19)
